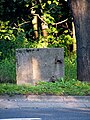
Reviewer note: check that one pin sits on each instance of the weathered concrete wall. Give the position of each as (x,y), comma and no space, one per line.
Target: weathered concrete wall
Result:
(36,64)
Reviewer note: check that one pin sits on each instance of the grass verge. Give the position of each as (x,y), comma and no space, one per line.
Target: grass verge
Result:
(60,87)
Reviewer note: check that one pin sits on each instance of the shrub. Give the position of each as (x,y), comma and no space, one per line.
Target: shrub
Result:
(10,39)
(7,71)
(71,67)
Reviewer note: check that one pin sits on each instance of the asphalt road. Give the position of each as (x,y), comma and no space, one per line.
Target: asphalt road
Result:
(45,107)
(46,113)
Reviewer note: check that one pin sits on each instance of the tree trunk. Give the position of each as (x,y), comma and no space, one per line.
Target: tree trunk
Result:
(81,13)
(38,11)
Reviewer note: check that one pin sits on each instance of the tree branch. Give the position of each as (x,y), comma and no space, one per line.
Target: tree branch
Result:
(24,23)
(46,23)
(41,20)
(60,22)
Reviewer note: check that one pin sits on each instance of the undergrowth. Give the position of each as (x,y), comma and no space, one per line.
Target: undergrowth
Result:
(60,87)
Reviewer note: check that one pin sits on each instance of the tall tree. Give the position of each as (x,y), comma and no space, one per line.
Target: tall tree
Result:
(81,13)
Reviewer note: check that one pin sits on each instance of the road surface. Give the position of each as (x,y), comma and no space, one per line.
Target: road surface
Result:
(45,108)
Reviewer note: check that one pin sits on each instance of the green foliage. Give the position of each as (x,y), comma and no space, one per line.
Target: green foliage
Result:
(71,67)
(5,31)
(7,71)
(64,87)
(58,36)
(60,87)
(10,39)
(18,31)
(7,39)
(21,40)
(48,18)
(63,41)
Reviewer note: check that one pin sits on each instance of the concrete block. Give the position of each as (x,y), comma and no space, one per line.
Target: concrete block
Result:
(35,64)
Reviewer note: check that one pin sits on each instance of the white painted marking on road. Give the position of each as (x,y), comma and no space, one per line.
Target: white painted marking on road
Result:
(22,119)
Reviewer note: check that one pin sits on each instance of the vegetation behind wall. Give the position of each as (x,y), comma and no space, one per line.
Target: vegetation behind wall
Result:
(32,24)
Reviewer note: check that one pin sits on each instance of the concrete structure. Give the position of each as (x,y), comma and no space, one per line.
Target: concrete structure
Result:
(36,64)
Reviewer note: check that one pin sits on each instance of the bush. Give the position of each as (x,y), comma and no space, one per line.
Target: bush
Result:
(10,39)
(71,67)
(63,41)
(7,71)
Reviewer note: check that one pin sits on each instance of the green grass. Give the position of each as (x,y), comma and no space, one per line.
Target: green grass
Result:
(60,87)
(65,86)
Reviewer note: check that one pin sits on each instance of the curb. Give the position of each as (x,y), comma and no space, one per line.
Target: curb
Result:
(43,101)
(47,98)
